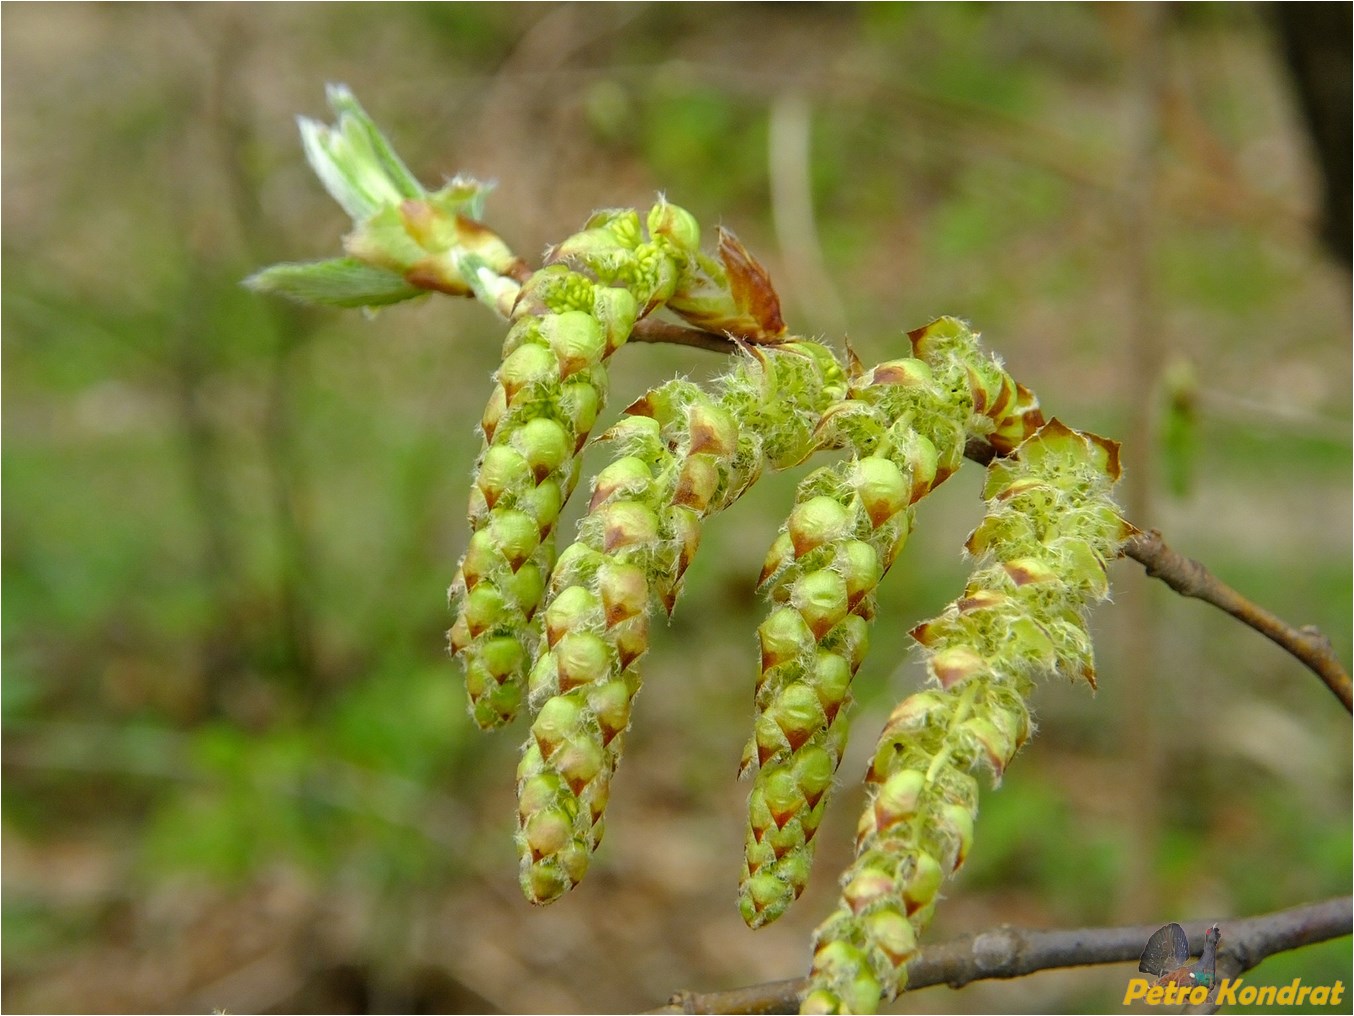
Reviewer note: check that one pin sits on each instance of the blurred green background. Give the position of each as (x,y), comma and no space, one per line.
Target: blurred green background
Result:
(238,771)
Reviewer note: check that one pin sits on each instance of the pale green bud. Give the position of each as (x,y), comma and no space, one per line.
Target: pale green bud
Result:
(890,933)
(525,587)
(712,429)
(616,311)
(628,476)
(627,524)
(956,664)
(817,521)
(545,445)
(558,719)
(579,403)
(784,636)
(883,489)
(675,224)
(778,558)
(502,469)
(624,591)
(957,820)
(610,702)
(543,503)
(831,679)
(572,609)
(515,534)
(814,768)
(898,799)
(859,565)
(526,366)
(576,339)
(798,714)
(483,608)
(923,882)
(821,597)
(494,412)
(697,482)
(581,658)
(866,888)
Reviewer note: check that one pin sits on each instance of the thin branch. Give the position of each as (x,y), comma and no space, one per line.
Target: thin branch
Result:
(654,330)
(1013,952)
(1190,578)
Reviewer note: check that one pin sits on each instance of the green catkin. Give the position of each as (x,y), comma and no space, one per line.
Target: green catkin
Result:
(682,455)
(907,421)
(569,318)
(1041,552)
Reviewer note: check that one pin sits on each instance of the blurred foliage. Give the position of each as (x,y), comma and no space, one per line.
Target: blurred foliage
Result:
(230,731)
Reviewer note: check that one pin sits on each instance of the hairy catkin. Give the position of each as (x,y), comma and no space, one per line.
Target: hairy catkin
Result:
(907,422)
(682,455)
(1042,549)
(568,320)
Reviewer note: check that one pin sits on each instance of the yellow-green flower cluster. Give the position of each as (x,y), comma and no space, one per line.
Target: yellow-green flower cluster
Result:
(682,456)
(908,422)
(569,318)
(1042,550)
